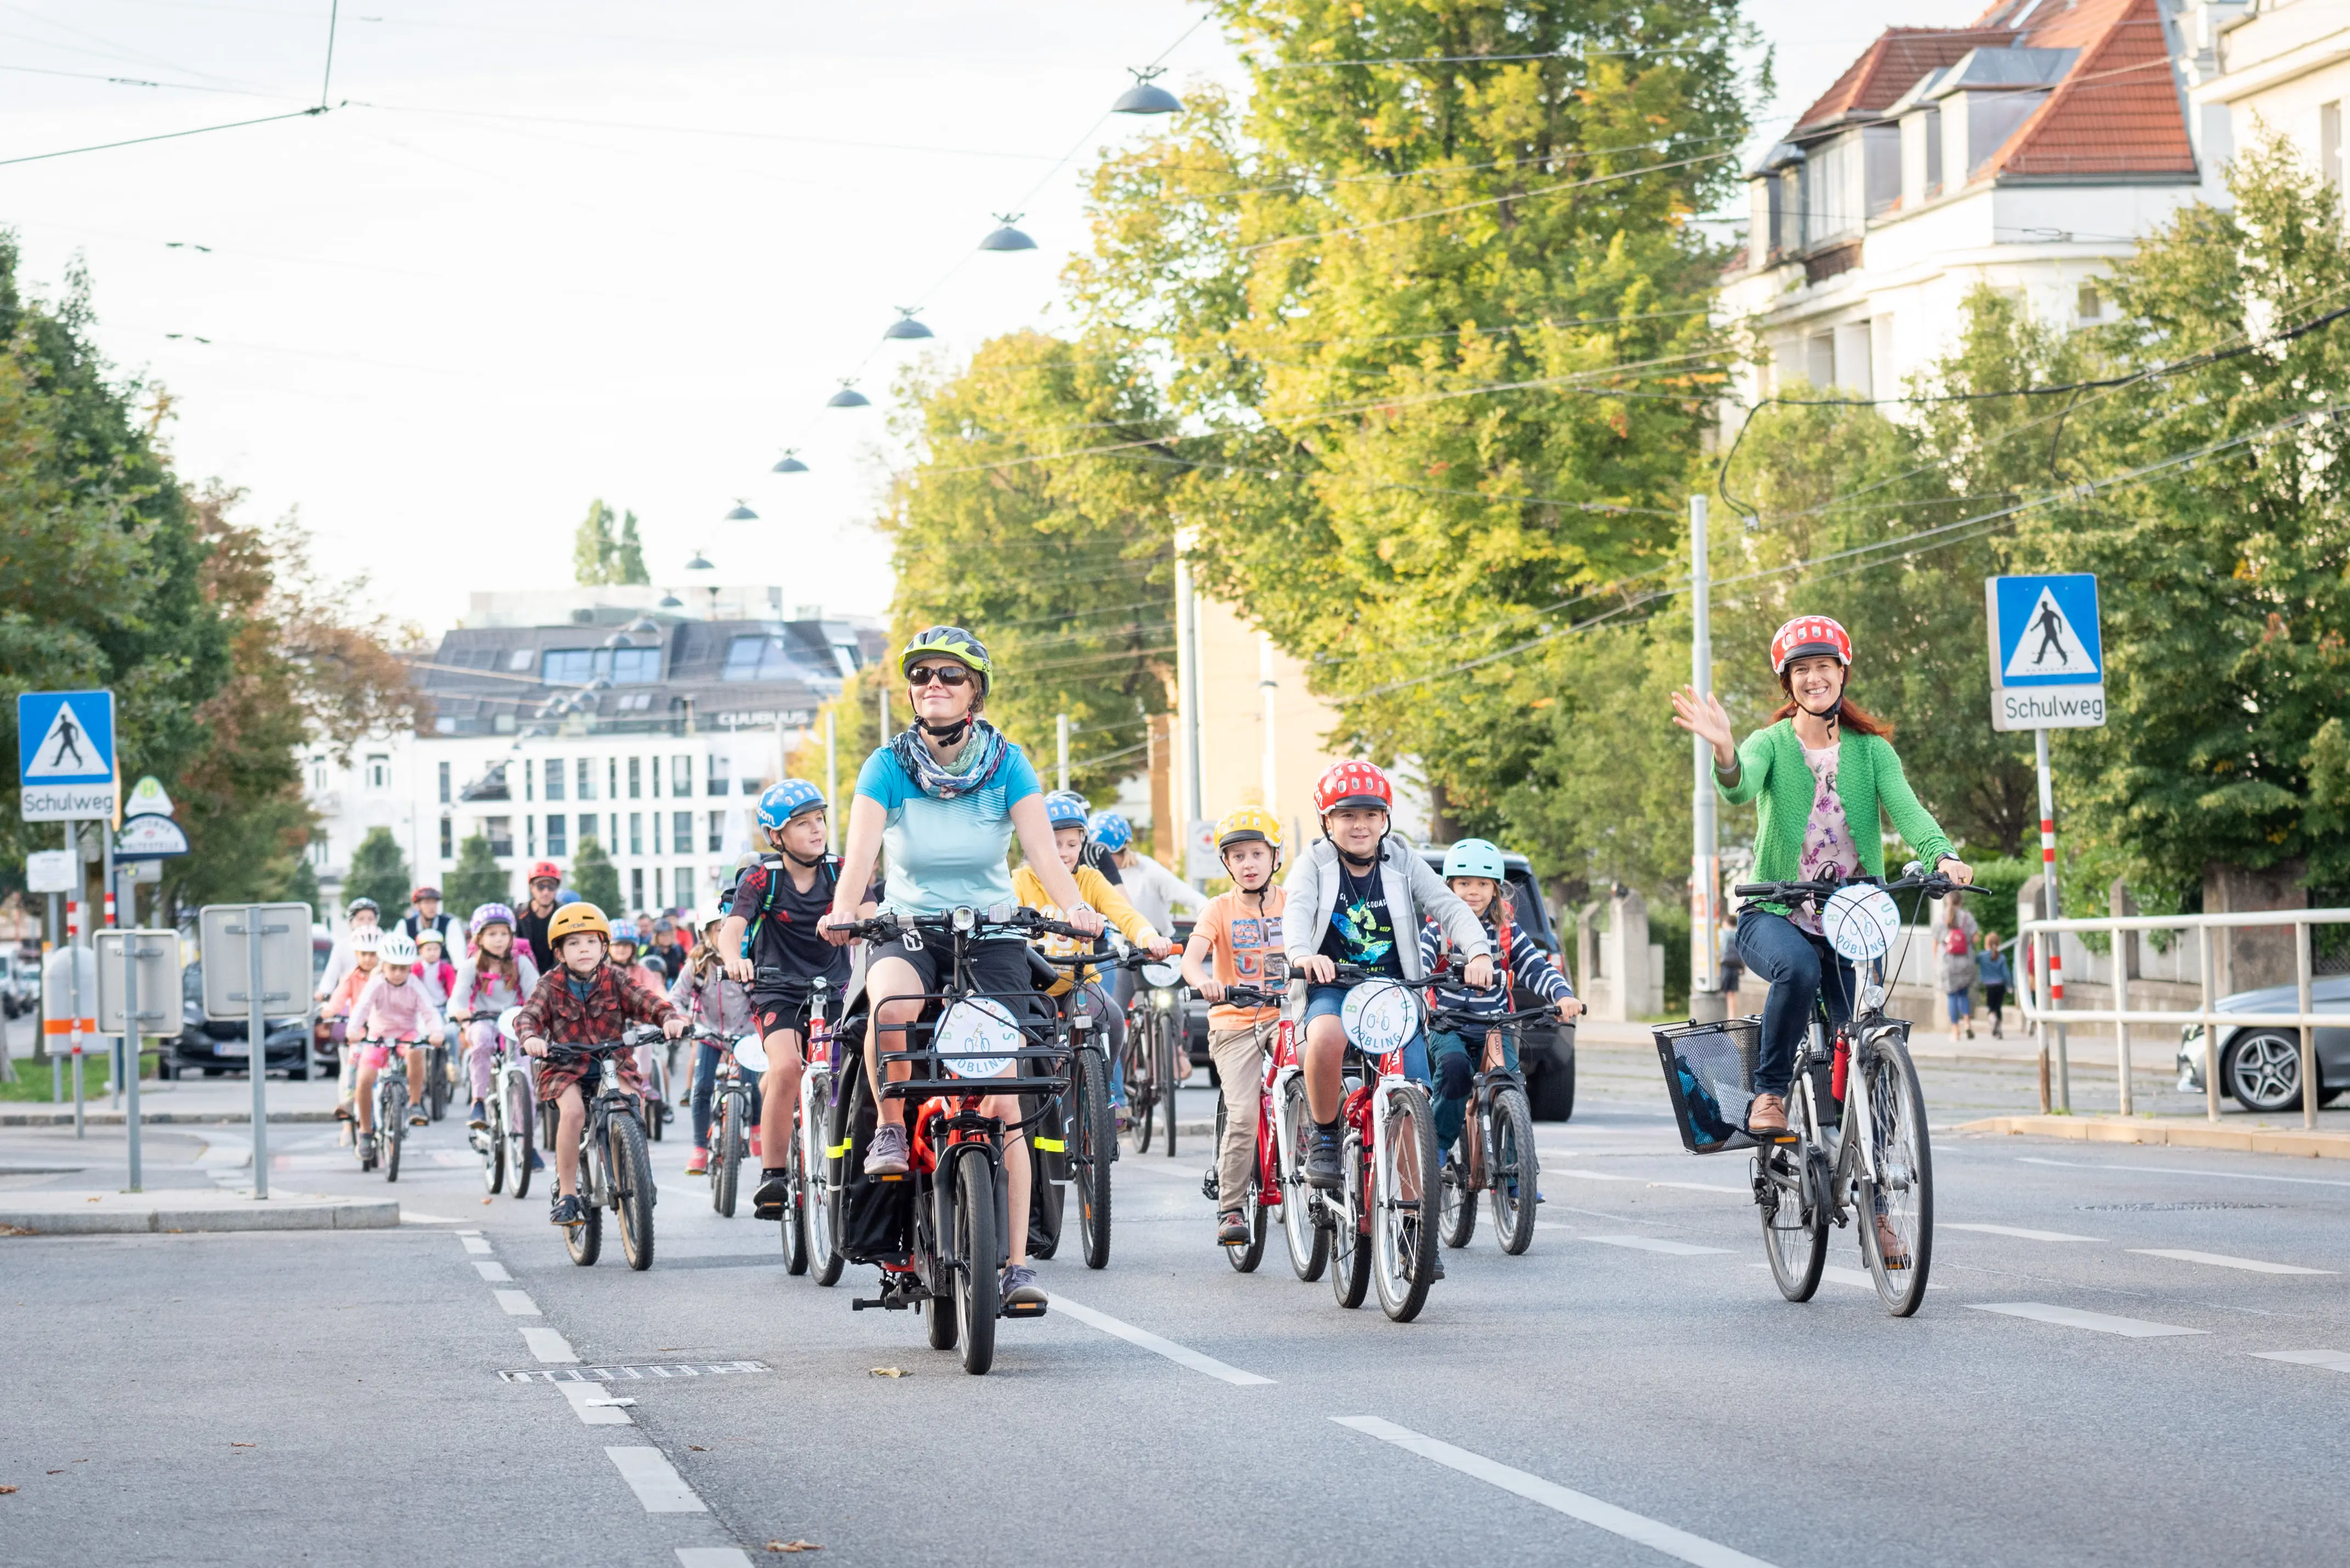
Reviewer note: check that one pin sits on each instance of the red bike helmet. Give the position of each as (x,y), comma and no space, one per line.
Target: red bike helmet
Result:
(1353,783)
(1807,636)
(545,869)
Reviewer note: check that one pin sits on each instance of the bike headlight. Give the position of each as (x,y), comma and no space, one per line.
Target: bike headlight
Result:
(1872,997)
(964,918)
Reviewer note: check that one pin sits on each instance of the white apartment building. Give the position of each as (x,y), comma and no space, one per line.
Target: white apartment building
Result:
(650,733)
(2254,68)
(2027,151)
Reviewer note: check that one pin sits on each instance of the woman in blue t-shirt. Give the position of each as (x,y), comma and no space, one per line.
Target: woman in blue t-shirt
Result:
(944,798)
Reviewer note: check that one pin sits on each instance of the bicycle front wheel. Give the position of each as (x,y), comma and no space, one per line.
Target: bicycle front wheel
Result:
(1095,1140)
(1163,1026)
(1515,1171)
(722,1171)
(1403,1193)
(391,1126)
(493,1149)
(978,1288)
(1897,1219)
(815,1179)
(795,1216)
(1792,1192)
(1309,1243)
(632,1175)
(519,1114)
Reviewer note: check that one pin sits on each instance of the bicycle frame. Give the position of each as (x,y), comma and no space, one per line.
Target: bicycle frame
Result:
(1274,1154)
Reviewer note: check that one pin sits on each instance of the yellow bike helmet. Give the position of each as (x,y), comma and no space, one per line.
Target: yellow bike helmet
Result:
(1250,822)
(573,919)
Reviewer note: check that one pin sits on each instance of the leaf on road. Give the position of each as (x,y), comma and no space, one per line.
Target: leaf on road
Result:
(793,1546)
(6,1489)
(890,1372)
(697,1448)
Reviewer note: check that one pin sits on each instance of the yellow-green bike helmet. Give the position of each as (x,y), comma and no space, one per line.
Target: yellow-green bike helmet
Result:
(954,643)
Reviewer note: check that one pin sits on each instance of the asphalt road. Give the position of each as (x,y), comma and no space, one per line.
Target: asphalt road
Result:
(2109,1371)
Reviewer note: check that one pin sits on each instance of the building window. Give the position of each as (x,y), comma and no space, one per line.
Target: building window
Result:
(1820,360)
(652,766)
(611,778)
(636,833)
(559,837)
(636,778)
(681,888)
(681,833)
(750,786)
(578,666)
(529,778)
(554,778)
(499,832)
(757,658)
(448,839)
(378,771)
(717,832)
(713,778)
(680,775)
(530,834)
(637,888)
(444,783)
(2329,141)
(2088,304)
(661,899)
(318,850)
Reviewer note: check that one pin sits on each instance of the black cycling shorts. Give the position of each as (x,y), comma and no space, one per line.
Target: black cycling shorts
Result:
(775,1009)
(999,965)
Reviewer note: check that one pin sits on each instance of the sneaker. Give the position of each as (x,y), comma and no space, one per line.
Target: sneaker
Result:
(537,1161)
(418,1113)
(1231,1229)
(1322,1169)
(888,1154)
(775,1191)
(697,1163)
(477,1117)
(343,1111)
(567,1211)
(1020,1286)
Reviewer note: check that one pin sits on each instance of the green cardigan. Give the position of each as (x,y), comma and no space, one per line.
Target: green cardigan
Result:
(1869,775)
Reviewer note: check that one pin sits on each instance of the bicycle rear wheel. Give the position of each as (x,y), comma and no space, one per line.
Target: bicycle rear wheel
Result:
(1162,1029)
(436,1082)
(796,1251)
(493,1149)
(1350,1249)
(815,1179)
(632,1175)
(1094,1140)
(978,1288)
(1896,1221)
(1792,1194)
(585,1240)
(1514,1170)
(519,1114)
(391,1125)
(1309,1243)
(1458,1224)
(1403,1183)
(1245,1257)
(1141,1093)
(722,1171)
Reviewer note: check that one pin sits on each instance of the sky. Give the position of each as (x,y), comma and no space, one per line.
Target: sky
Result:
(538,253)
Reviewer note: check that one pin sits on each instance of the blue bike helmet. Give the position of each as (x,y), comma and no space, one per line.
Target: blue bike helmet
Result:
(1065,808)
(1113,832)
(1474,858)
(566,896)
(787,800)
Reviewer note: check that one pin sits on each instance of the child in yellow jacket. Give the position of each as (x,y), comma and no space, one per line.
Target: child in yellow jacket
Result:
(1067,813)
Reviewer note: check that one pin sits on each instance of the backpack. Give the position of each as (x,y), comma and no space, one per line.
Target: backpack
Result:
(1955,943)
(774,872)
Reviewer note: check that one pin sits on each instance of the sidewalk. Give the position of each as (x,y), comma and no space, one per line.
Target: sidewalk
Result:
(182,1100)
(55,1211)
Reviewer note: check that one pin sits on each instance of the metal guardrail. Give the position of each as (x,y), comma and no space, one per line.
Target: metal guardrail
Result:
(2049,1013)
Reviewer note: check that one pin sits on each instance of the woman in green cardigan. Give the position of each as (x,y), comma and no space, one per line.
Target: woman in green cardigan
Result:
(1822,773)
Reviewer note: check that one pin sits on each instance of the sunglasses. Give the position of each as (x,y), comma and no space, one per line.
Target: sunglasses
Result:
(950,675)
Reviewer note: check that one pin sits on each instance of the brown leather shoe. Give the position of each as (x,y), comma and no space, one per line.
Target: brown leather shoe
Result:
(1890,1247)
(1767,1114)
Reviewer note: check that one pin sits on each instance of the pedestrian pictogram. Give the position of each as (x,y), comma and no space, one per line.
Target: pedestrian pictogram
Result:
(2047,653)
(2048,644)
(65,755)
(64,751)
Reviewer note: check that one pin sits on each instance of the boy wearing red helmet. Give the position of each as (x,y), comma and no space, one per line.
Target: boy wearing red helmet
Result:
(1358,896)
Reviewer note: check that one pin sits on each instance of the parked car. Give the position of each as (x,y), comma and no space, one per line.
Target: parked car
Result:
(20,984)
(216,1049)
(2260,1065)
(1545,1049)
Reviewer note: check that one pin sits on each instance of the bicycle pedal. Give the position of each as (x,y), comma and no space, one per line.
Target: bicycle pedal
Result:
(1024,1309)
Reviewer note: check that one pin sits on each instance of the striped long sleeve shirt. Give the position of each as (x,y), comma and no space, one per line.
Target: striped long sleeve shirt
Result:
(1530,967)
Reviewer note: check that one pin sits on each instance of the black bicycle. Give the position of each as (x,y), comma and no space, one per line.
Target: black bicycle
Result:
(1497,1156)
(941,1233)
(1154,1034)
(615,1168)
(1854,1073)
(731,1114)
(1086,1135)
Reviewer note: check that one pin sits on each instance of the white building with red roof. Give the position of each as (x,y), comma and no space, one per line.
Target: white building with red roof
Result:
(2026,151)
(2257,67)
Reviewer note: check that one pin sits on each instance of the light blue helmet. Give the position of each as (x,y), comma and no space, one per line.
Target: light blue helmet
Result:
(787,800)
(1112,831)
(1065,808)
(1474,858)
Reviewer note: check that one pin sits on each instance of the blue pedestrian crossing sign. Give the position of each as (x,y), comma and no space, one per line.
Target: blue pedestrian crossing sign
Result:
(65,755)
(2047,653)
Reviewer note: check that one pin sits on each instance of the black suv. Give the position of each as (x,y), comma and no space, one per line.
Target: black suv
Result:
(1545,1049)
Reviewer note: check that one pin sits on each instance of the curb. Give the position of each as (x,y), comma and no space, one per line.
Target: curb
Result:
(382,1214)
(2171,1133)
(151,1118)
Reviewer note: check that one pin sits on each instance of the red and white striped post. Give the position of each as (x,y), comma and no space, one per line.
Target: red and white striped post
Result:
(2051,946)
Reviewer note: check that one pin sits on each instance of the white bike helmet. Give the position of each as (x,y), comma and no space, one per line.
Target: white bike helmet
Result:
(396,948)
(366,939)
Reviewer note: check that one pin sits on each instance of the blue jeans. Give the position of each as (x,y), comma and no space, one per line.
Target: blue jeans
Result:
(705,1092)
(1793,961)
(1457,1057)
(1110,1028)
(1329,1000)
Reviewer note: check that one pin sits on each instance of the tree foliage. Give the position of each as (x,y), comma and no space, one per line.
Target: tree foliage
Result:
(595,877)
(601,555)
(476,879)
(379,871)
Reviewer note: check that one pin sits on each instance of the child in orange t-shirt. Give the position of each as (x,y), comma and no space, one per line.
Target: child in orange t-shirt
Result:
(1240,933)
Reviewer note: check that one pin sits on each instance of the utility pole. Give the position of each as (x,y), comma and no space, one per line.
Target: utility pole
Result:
(1270,687)
(1061,745)
(1187,666)
(831,786)
(1705,847)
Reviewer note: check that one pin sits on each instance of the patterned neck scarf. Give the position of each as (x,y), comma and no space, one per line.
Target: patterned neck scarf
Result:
(981,754)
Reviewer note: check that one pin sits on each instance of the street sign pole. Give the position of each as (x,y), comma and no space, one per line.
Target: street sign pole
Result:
(73,940)
(256,1032)
(130,956)
(2051,954)
(1705,862)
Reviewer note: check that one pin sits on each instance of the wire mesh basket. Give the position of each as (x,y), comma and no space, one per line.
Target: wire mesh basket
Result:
(1709,1075)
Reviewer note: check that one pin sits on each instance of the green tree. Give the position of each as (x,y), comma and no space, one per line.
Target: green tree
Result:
(628,555)
(593,547)
(301,887)
(595,877)
(476,879)
(379,871)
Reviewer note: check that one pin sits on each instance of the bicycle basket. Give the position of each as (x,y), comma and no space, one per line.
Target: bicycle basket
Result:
(1709,1075)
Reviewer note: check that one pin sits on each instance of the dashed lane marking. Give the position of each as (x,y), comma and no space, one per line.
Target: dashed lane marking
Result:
(494,1273)
(1859,1279)
(655,1480)
(2072,1317)
(593,1403)
(1651,1533)
(411,1217)
(2180,1170)
(475,1245)
(548,1346)
(2221,1260)
(517,1302)
(2018,1231)
(2331,1360)
(713,1557)
(1576,1174)
(650,1374)
(1181,1355)
(1656,1244)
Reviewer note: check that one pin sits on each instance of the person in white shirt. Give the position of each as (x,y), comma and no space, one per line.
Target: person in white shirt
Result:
(1150,886)
(363,914)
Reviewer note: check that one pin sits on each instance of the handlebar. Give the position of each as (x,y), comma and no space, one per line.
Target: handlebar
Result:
(1008,918)
(1250,996)
(636,1034)
(1914,877)
(1471,1017)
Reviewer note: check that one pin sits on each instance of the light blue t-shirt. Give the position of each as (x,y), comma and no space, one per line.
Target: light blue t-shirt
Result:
(946,854)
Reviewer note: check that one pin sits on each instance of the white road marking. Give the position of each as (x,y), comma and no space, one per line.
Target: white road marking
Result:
(494,1273)
(2331,1360)
(411,1217)
(2180,1170)
(2221,1260)
(2019,1231)
(2071,1317)
(1580,1175)
(1638,1528)
(1654,1244)
(593,1405)
(516,1303)
(476,1245)
(548,1345)
(454,1159)
(1181,1355)
(713,1557)
(655,1481)
(1859,1279)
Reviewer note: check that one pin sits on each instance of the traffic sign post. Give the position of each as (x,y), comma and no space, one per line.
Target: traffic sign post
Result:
(143,965)
(65,755)
(2047,672)
(69,985)
(268,945)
